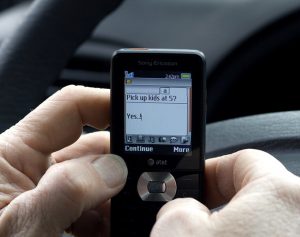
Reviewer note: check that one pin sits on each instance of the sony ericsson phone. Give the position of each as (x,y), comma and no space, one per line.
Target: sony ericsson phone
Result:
(158,104)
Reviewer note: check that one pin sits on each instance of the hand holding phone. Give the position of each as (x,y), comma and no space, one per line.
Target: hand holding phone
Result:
(158,101)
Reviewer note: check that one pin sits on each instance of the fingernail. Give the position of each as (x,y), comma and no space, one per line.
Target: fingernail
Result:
(112,170)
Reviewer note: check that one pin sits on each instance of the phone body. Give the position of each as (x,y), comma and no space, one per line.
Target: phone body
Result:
(158,118)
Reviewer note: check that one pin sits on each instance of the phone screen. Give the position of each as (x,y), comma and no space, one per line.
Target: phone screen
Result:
(158,112)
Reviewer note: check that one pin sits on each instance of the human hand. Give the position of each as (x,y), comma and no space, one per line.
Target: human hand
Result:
(48,183)
(263,200)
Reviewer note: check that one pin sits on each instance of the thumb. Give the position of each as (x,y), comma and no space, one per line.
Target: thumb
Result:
(65,192)
(181,217)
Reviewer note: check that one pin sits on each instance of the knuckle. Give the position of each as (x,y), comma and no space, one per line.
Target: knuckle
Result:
(183,218)
(169,223)
(191,202)
(180,215)
(252,152)
(71,186)
(69,91)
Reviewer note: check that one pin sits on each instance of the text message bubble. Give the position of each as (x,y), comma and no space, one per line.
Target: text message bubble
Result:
(166,95)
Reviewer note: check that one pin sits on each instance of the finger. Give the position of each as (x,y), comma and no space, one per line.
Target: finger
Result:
(179,217)
(188,203)
(65,192)
(226,175)
(56,123)
(88,144)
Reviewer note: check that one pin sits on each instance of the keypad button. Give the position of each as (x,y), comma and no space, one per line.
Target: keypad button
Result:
(156,187)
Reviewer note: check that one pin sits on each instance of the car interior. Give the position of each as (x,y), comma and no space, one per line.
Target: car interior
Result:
(251,49)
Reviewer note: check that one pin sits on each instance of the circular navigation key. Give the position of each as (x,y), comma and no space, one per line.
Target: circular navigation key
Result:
(157,186)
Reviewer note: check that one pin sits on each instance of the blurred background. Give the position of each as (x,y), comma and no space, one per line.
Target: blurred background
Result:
(8,3)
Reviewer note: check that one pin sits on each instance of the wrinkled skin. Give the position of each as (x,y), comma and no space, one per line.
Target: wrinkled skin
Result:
(52,178)
(263,200)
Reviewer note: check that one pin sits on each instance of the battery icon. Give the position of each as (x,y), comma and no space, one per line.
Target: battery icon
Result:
(186,76)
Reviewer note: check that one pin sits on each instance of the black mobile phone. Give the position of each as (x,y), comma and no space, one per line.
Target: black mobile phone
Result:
(158,101)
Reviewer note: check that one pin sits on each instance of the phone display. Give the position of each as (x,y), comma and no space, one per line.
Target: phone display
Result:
(158,102)
(158,112)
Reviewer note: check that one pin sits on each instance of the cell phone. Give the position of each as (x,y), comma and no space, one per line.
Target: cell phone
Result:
(158,117)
